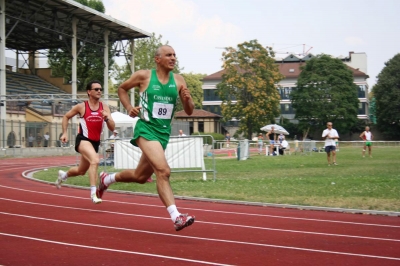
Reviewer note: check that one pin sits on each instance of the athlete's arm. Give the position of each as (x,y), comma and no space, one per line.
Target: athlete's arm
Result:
(138,79)
(77,109)
(184,94)
(362,134)
(107,116)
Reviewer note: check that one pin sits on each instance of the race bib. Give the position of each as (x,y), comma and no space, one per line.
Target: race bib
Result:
(162,110)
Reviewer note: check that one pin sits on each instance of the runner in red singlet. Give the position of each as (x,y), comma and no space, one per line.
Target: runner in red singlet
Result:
(93,115)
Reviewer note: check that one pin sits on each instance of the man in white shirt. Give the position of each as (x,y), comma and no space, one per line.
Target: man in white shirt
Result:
(181,134)
(331,136)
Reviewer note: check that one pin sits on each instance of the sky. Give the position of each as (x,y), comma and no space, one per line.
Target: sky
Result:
(198,30)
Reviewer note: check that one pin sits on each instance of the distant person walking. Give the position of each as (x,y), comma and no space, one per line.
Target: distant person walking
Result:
(367,136)
(331,136)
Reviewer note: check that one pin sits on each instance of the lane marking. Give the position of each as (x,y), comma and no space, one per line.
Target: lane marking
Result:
(204,222)
(205,239)
(214,211)
(113,250)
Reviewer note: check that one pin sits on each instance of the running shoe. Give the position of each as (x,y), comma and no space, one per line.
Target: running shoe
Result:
(335,164)
(102,186)
(60,178)
(182,221)
(95,199)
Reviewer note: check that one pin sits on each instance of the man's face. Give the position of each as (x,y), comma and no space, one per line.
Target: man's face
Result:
(95,90)
(166,58)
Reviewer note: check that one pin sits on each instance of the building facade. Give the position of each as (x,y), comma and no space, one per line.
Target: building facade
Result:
(289,66)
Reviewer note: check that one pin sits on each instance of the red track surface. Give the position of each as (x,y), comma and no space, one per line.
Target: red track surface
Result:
(40,225)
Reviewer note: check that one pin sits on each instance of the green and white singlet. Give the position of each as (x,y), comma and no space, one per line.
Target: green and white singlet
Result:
(158,104)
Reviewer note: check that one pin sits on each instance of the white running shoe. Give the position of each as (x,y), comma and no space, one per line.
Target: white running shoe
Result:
(95,199)
(60,178)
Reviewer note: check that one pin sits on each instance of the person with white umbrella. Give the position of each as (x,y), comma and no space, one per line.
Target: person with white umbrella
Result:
(271,135)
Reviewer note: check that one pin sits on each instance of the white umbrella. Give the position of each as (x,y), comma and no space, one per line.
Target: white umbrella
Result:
(277,128)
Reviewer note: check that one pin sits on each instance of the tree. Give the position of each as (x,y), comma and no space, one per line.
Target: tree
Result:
(325,92)
(387,95)
(194,84)
(90,63)
(247,89)
(144,51)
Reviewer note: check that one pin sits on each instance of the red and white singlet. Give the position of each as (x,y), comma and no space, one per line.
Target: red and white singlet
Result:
(92,123)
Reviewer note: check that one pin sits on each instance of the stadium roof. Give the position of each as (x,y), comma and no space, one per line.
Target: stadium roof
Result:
(45,24)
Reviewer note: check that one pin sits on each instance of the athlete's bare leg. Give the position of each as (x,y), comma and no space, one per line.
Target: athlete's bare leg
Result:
(89,163)
(152,161)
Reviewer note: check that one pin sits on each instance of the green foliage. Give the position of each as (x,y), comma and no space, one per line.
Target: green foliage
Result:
(90,63)
(247,89)
(207,140)
(372,110)
(194,84)
(387,94)
(95,4)
(325,92)
(144,51)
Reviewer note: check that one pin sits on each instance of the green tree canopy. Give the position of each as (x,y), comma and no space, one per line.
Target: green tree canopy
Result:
(194,84)
(325,92)
(90,63)
(387,95)
(247,89)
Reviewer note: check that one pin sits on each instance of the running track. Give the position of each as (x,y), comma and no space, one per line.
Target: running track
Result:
(40,225)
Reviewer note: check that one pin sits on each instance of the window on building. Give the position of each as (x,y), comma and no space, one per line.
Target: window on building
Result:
(201,126)
(362,108)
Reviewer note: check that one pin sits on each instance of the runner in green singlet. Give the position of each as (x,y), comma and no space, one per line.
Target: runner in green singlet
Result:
(159,89)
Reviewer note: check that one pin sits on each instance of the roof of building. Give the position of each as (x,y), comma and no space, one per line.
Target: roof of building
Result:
(196,113)
(44,24)
(288,69)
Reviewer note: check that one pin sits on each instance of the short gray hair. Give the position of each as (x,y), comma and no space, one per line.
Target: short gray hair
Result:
(158,50)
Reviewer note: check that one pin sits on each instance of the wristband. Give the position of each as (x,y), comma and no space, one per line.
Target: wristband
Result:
(106,120)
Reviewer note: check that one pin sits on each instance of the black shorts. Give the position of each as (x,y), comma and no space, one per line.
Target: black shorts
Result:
(79,138)
(330,148)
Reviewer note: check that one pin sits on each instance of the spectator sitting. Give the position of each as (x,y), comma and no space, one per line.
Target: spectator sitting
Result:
(282,147)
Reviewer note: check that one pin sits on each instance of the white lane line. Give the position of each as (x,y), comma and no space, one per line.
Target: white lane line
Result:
(212,223)
(207,239)
(213,211)
(113,250)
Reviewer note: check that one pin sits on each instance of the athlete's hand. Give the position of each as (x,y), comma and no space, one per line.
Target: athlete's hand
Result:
(184,93)
(105,114)
(64,138)
(134,111)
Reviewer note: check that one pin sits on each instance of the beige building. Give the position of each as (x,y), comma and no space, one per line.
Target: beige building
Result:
(201,121)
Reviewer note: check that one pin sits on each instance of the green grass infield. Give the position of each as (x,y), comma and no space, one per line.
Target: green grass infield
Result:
(356,182)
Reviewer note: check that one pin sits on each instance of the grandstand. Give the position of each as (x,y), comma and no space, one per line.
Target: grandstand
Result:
(32,86)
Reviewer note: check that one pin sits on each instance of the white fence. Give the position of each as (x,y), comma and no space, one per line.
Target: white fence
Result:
(184,154)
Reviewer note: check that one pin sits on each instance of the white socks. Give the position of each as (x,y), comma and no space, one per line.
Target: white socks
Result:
(92,190)
(173,211)
(109,179)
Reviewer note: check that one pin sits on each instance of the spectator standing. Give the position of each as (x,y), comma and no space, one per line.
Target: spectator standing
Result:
(331,136)
(271,135)
(227,139)
(39,140)
(46,139)
(31,139)
(181,134)
(260,143)
(367,136)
